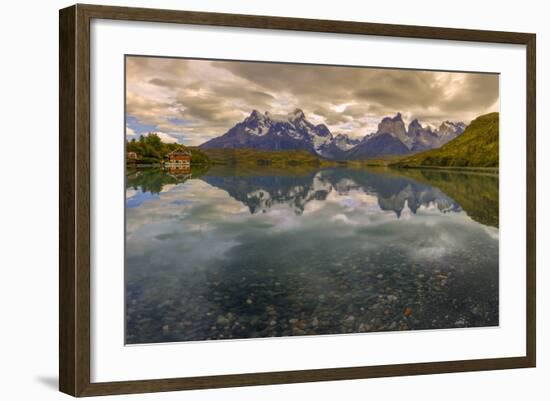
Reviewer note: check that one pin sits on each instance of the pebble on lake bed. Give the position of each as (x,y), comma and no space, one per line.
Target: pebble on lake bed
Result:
(392,298)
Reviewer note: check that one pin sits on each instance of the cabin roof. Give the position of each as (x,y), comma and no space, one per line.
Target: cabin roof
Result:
(180,152)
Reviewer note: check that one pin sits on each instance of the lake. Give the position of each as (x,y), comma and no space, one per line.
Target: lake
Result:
(261,252)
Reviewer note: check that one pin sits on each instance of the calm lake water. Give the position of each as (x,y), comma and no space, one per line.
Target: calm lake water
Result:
(237,253)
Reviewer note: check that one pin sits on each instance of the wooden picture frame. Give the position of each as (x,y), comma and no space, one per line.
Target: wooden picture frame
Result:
(74,203)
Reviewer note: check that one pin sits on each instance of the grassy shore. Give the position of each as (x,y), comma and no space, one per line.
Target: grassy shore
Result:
(466,169)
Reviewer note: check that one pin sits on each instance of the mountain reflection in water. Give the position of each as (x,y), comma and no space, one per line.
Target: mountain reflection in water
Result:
(235,253)
(393,193)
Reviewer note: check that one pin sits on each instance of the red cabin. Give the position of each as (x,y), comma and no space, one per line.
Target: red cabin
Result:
(179,158)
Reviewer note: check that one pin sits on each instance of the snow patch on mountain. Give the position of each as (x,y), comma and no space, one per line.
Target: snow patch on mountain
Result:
(344,142)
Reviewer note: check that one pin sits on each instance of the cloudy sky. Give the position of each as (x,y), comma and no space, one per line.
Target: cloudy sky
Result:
(191,101)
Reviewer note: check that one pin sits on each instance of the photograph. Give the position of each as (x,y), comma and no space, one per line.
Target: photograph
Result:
(269,199)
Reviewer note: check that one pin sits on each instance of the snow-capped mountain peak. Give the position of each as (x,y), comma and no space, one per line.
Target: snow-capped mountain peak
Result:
(296,116)
(344,142)
(448,130)
(257,124)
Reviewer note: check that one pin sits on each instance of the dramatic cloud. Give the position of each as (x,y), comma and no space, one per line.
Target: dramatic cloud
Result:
(166,138)
(195,100)
(130,132)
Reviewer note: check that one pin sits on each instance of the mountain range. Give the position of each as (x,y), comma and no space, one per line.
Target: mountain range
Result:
(294,132)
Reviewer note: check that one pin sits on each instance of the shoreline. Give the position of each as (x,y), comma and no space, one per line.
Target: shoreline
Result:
(355,165)
(487,170)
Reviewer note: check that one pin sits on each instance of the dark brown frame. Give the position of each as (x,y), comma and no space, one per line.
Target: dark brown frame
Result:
(74,199)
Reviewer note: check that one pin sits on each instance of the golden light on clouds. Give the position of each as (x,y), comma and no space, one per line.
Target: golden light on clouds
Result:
(195,100)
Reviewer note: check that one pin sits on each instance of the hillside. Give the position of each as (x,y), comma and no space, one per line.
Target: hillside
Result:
(476,147)
(254,157)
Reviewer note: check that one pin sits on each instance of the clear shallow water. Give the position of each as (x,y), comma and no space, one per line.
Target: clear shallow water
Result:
(233,253)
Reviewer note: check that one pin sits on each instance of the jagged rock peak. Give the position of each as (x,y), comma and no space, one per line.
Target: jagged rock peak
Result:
(415,126)
(456,125)
(394,125)
(451,127)
(297,114)
(397,118)
(322,130)
(415,123)
(255,115)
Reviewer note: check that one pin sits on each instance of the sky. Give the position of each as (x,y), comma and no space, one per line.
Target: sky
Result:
(191,101)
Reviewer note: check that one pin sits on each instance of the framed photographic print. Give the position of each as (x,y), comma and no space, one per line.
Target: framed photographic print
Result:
(250,200)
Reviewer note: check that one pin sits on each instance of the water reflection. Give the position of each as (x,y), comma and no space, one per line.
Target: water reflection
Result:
(394,193)
(233,253)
